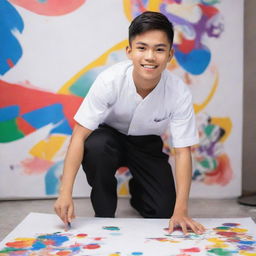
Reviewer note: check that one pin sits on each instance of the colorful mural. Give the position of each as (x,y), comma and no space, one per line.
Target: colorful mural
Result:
(26,109)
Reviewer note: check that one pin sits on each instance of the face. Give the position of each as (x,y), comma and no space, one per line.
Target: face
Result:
(150,52)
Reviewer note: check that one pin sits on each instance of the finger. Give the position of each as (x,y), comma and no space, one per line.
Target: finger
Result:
(184,228)
(70,213)
(64,211)
(200,227)
(171,226)
(192,225)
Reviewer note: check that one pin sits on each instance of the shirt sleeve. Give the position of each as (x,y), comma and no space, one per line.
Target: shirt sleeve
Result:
(93,109)
(183,127)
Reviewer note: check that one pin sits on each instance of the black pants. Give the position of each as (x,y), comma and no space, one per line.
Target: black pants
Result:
(152,187)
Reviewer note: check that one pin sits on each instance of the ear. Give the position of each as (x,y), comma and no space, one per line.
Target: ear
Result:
(171,53)
(128,51)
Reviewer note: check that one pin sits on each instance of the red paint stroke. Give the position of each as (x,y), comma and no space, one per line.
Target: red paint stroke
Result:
(222,174)
(36,165)
(24,126)
(91,246)
(208,11)
(81,235)
(50,7)
(29,99)
(98,238)
(18,244)
(193,249)
(10,63)
(64,253)
(186,46)
(226,234)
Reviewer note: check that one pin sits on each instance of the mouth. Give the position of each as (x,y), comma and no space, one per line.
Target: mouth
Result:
(149,66)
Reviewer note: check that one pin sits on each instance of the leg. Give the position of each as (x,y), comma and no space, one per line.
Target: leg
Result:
(102,157)
(152,187)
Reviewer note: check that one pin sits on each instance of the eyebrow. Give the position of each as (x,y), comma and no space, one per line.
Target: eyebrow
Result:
(157,45)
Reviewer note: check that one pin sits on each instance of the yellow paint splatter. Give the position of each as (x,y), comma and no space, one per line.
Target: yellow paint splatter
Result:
(123,191)
(200,107)
(239,230)
(245,253)
(215,240)
(46,149)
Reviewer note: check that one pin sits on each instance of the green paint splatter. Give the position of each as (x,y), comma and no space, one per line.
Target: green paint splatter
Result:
(9,131)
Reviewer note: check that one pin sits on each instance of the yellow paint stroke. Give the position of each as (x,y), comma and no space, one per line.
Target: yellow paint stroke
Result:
(114,254)
(245,253)
(224,123)
(199,107)
(215,240)
(127,9)
(219,245)
(98,62)
(46,149)
(154,5)
(239,230)
(123,191)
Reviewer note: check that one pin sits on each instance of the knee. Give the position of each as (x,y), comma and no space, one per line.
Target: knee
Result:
(98,144)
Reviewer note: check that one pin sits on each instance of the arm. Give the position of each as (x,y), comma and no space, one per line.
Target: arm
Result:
(64,204)
(183,175)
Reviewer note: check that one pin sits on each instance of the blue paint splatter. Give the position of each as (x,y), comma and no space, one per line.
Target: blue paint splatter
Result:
(10,50)
(112,228)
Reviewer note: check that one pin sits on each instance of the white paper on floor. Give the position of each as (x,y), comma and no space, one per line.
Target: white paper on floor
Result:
(42,234)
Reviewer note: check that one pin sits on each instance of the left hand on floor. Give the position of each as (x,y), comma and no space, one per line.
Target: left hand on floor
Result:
(186,223)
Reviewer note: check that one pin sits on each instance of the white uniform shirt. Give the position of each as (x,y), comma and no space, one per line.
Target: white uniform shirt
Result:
(113,100)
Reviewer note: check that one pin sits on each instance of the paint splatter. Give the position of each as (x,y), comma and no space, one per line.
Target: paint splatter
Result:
(91,246)
(111,228)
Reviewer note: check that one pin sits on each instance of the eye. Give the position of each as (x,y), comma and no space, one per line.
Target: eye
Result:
(160,49)
(141,48)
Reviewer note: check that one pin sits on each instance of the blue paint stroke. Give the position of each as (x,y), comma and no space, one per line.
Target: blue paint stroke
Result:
(195,62)
(56,238)
(9,113)
(52,179)
(10,50)
(52,114)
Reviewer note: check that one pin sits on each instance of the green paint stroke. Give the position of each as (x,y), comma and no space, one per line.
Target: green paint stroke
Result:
(9,131)
(220,251)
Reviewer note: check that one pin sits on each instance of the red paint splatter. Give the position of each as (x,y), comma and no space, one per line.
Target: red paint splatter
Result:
(81,235)
(30,99)
(91,246)
(227,234)
(193,249)
(208,11)
(98,238)
(10,63)
(24,126)
(64,253)
(50,7)
(18,244)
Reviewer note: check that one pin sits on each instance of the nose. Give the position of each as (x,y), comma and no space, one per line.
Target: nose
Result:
(149,55)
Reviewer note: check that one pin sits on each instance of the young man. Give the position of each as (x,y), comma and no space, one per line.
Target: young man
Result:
(119,124)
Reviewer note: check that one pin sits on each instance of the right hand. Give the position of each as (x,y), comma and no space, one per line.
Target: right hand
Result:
(64,208)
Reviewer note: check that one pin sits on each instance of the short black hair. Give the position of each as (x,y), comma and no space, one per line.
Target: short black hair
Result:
(151,21)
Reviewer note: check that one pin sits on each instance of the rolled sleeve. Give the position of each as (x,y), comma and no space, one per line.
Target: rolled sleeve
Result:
(93,109)
(183,127)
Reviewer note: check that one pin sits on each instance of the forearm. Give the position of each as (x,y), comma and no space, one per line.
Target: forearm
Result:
(183,175)
(73,159)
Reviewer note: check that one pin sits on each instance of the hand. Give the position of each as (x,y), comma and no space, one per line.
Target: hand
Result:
(183,221)
(64,208)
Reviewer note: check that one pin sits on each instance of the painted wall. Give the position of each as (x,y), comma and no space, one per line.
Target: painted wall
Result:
(50,56)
